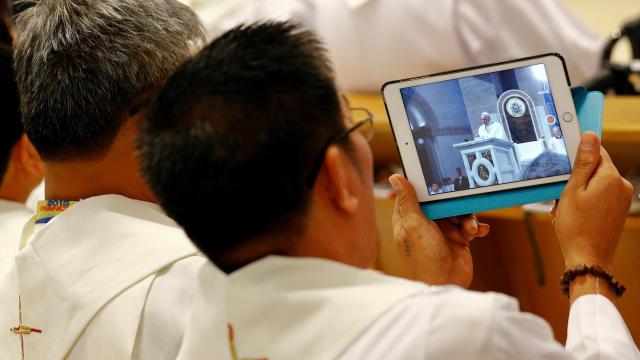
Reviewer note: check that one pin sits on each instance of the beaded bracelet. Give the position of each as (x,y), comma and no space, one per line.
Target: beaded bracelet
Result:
(595,270)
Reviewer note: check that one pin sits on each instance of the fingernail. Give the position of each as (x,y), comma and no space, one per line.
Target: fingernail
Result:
(588,143)
(395,182)
(474,225)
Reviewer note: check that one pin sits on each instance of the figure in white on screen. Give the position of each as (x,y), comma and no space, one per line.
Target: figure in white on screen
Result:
(490,129)
(556,143)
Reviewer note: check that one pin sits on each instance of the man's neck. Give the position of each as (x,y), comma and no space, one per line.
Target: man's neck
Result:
(85,179)
(314,244)
(114,173)
(332,243)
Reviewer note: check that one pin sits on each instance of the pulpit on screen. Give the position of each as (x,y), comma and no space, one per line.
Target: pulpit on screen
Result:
(489,161)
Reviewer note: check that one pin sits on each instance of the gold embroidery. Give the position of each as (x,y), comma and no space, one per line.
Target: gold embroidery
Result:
(22,329)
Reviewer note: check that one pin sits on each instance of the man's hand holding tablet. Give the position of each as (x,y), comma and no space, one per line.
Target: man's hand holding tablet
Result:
(435,252)
(591,214)
(526,124)
(528,136)
(588,221)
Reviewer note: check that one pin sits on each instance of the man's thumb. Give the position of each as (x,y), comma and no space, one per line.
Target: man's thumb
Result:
(406,198)
(586,160)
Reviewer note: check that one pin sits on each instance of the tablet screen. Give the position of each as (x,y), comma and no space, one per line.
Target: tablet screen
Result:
(484,130)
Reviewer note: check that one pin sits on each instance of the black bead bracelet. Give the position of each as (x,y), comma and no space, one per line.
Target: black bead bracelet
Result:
(595,270)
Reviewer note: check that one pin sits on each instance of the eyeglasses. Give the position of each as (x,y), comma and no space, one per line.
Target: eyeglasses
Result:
(364,126)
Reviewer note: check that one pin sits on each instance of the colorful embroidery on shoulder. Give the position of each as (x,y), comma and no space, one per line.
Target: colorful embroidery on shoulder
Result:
(48,209)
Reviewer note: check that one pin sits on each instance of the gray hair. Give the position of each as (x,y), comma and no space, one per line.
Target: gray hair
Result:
(485,114)
(82,64)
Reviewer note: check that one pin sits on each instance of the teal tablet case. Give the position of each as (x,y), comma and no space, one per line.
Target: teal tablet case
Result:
(589,108)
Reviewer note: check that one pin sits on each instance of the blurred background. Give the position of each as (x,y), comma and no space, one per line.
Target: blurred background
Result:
(603,19)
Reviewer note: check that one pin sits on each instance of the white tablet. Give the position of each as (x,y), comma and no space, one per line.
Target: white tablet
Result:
(485,129)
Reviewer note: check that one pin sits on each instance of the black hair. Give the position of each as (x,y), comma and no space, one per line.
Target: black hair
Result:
(10,125)
(231,139)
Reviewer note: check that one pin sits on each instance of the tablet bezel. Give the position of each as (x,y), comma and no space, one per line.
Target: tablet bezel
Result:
(561,92)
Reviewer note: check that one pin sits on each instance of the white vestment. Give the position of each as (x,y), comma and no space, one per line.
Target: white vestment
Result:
(109,278)
(557,145)
(374,41)
(494,130)
(304,308)
(13,217)
(36,195)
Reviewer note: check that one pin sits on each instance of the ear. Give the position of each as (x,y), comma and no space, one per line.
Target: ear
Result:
(26,155)
(338,173)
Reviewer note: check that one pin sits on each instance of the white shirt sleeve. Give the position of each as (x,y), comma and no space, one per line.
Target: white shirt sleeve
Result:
(498,131)
(597,331)
(494,30)
(222,15)
(468,325)
(166,312)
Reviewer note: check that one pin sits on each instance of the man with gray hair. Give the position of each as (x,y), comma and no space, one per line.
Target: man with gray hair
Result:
(102,271)
(490,129)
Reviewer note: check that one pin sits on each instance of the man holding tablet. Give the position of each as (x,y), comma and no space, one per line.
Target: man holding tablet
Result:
(262,98)
(103,272)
